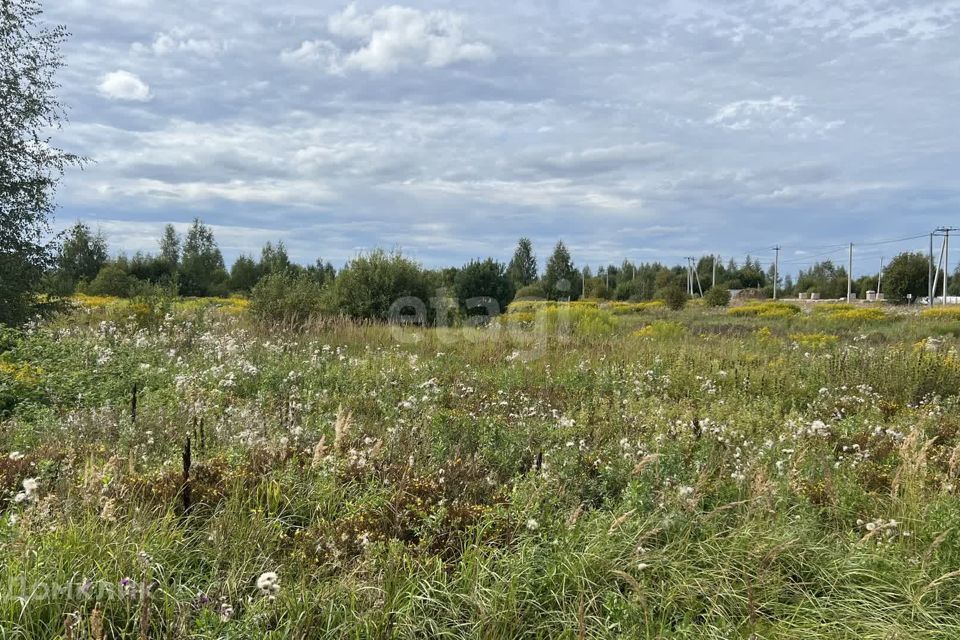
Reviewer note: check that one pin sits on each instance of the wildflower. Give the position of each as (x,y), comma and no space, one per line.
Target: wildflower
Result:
(532,525)
(15,456)
(643,566)
(30,488)
(225,611)
(128,587)
(269,584)
(686,491)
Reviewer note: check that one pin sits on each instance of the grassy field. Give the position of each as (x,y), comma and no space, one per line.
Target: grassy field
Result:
(567,472)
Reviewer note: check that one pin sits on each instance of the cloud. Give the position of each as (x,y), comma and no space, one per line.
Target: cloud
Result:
(123,85)
(182,40)
(597,160)
(389,39)
(750,114)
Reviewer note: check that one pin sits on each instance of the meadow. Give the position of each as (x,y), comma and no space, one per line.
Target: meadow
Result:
(178,470)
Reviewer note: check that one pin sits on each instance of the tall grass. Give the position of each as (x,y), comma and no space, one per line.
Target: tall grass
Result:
(718,476)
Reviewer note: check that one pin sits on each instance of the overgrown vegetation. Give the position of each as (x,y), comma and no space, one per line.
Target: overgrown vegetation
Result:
(644,474)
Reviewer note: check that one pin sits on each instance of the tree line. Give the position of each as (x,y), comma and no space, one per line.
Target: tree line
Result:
(369,285)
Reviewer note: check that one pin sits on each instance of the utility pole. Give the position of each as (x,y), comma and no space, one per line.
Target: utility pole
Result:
(930,278)
(776,270)
(713,283)
(850,275)
(879,277)
(946,262)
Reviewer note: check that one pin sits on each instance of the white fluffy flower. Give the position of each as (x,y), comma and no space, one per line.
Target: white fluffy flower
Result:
(269,584)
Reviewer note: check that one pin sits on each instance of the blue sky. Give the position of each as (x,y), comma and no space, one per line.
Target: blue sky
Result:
(449,129)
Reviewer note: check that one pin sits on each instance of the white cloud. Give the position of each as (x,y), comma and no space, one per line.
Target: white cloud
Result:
(123,85)
(750,114)
(391,38)
(181,39)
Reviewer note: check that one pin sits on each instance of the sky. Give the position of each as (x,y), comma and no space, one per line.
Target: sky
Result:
(448,129)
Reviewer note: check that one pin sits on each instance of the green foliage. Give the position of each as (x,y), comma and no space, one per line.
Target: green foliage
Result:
(532,291)
(632,290)
(286,297)
(674,297)
(243,274)
(30,164)
(717,297)
(523,266)
(486,279)
(584,482)
(825,278)
(112,280)
(202,272)
(560,280)
(81,257)
(379,285)
(907,274)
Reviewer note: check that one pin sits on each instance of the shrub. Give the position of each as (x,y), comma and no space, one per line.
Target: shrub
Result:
(286,297)
(531,291)
(112,281)
(717,297)
(370,285)
(674,297)
(486,279)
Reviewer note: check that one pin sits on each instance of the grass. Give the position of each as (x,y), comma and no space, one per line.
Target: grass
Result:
(724,475)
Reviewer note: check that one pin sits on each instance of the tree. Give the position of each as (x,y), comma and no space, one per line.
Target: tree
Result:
(523,267)
(560,280)
(286,296)
(906,274)
(487,279)
(244,274)
(674,297)
(170,247)
(717,296)
(322,272)
(30,165)
(825,278)
(80,259)
(201,271)
(370,286)
(113,280)
(274,259)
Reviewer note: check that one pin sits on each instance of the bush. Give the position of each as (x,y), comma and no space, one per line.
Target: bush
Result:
(112,281)
(674,297)
(629,290)
(531,291)
(370,285)
(286,297)
(717,297)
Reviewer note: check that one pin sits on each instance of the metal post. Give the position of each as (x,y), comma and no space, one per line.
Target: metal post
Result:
(713,282)
(930,277)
